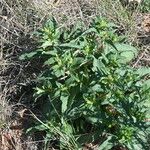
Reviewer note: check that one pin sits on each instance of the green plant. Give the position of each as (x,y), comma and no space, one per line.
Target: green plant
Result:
(145,6)
(89,92)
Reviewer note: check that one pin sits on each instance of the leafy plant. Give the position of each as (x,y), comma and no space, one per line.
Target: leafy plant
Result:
(145,6)
(89,92)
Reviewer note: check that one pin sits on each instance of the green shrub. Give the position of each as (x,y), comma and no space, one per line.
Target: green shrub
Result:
(89,92)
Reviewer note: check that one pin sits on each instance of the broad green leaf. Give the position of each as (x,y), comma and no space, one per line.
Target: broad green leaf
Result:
(47,44)
(97,88)
(146,84)
(143,71)
(126,52)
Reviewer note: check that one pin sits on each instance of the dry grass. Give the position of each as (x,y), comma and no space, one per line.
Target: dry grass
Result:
(18,21)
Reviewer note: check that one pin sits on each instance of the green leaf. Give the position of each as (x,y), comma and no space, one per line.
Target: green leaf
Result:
(107,144)
(126,52)
(39,91)
(50,61)
(47,44)
(28,55)
(146,87)
(110,42)
(67,128)
(89,31)
(99,66)
(143,71)
(64,100)
(50,52)
(146,84)
(40,127)
(97,88)
(51,23)
(71,45)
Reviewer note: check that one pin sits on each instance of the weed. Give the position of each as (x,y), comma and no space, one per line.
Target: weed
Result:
(88,89)
(145,6)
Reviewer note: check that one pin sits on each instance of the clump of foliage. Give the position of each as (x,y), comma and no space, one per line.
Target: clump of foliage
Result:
(145,6)
(90,93)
